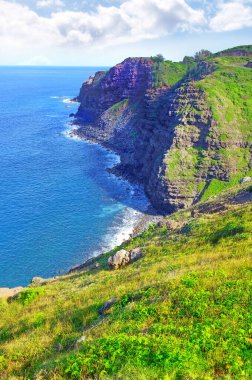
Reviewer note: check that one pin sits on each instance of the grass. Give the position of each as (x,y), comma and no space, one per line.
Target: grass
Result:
(182,312)
(228,91)
(169,73)
(216,186)
(245,48)
(118,106)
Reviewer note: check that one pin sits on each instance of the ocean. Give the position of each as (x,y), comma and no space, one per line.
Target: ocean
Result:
(58,204)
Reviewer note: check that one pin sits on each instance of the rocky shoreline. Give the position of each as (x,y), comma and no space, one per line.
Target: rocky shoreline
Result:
(149,216)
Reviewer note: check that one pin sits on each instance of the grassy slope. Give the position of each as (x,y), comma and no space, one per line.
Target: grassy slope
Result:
(245,48)
(229,97)
(169,73)
(182,312)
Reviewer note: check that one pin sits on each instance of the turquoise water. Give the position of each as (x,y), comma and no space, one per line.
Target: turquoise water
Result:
(58,204)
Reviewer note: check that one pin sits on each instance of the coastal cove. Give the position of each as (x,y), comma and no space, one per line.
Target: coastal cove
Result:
(58,204)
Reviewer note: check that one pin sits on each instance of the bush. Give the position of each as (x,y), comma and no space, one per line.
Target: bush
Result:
(158,58)
(29,295)
(230,230)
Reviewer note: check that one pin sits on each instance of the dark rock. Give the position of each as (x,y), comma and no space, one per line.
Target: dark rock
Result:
(136,254)
(107,306)
(79,341)
(72,115)
(95,266)
(58,347)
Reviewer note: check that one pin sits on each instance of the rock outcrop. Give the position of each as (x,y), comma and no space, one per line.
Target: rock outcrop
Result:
(167,136)
(122,258)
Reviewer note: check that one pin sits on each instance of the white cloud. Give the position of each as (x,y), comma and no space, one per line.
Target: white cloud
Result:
(50,3)
(232,15)
(22,28)
(132,21)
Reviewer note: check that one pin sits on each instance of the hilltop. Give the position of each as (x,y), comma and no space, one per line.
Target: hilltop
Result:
(182,129)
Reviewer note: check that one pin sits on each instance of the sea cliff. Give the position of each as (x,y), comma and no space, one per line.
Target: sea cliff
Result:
(183,130)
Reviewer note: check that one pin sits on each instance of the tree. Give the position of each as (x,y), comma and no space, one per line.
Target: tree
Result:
(187,59)
(200,55)
(158,58)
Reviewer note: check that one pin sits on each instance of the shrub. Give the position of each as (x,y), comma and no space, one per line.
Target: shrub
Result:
(29,295)
(230,230)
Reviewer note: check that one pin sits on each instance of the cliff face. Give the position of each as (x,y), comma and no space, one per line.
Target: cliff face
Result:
(129,79)
(181,141)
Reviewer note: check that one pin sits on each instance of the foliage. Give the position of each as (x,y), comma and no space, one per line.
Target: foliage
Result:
(158,58)
(244,48)
(202,54)
(29,295)
(169,73)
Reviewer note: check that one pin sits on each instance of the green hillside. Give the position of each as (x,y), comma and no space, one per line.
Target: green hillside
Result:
(212,104)
(183,311)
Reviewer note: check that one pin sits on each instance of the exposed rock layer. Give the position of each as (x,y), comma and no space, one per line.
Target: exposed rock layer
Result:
(167,137)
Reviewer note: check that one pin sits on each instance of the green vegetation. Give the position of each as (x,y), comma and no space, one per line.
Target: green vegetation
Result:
(182,312)
(216,186)
(223,92)
(119,106)
(169,73)
(229,90)
(244,48)
(158,58)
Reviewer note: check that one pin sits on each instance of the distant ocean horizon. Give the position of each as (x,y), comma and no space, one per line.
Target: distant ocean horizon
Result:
(58,204)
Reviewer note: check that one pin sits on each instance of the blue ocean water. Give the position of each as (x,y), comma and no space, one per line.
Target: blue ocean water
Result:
(58,204)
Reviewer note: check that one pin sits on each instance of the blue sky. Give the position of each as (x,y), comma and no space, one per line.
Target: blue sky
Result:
(104,32)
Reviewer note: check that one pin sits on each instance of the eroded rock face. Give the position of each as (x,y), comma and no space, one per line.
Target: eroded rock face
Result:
(166,137)
(127,80)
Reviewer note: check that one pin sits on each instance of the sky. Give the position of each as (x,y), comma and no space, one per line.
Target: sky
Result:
(104,32)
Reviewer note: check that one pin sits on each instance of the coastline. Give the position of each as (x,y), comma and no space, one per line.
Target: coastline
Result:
(141,225)
(133,224)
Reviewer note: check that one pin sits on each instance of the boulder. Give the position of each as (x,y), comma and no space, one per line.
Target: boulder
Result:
(246,179)
(38,280)
(119,260)
(122,258)
(136,254)
(171,224)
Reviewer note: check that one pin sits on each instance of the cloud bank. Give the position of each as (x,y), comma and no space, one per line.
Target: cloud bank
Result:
(132,21)
(233,15)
